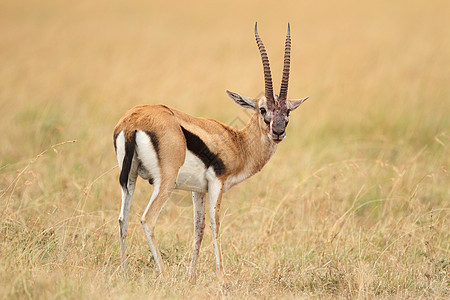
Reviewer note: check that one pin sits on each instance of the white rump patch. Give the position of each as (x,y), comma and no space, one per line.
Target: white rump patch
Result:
(120,148)
(147,156)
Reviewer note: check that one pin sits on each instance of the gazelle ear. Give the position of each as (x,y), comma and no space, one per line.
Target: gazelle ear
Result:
(293,104)
(243,101)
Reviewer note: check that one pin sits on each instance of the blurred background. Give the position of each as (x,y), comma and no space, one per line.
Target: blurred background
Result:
(365,161)
(69,69)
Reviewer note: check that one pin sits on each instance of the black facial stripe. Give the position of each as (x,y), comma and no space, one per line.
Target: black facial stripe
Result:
(199,148)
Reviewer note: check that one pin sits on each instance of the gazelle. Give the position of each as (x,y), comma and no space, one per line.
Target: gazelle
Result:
(173,150)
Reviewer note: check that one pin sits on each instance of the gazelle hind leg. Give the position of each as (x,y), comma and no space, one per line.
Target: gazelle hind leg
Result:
(161,194)
(127,196)
(128,165)
(198,200)
(161,155)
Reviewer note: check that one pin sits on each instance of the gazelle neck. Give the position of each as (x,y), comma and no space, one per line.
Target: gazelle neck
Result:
(256,146)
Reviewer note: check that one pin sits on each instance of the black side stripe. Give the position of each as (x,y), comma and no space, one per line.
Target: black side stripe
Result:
(130,145)
(199,148)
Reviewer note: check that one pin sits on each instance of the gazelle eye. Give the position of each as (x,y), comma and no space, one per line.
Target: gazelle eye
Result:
(262,110)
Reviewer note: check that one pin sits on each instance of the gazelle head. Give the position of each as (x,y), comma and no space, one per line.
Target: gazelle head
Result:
(273,109)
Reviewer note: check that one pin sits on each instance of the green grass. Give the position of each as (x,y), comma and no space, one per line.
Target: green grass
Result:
(354,204)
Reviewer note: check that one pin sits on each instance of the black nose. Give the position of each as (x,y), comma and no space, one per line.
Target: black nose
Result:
(278,132)
(278,126)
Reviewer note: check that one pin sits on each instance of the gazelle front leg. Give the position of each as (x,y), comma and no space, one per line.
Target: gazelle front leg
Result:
(215,197)
(199,227)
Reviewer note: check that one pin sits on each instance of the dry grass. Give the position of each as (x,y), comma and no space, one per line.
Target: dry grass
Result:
(354,204)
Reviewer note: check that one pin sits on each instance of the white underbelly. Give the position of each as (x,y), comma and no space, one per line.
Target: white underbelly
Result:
(192,175)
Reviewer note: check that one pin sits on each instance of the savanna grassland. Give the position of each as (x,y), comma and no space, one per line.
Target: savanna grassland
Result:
(355,202)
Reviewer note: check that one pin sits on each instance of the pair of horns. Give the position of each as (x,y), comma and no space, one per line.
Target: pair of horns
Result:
(267,74)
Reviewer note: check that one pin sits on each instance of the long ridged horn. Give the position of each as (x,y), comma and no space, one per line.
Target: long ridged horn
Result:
(287,62)
(265,61)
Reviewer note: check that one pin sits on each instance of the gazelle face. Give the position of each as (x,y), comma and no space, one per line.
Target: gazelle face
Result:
(275,117)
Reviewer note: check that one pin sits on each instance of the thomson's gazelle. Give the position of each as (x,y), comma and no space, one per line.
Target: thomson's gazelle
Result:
(173,150)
